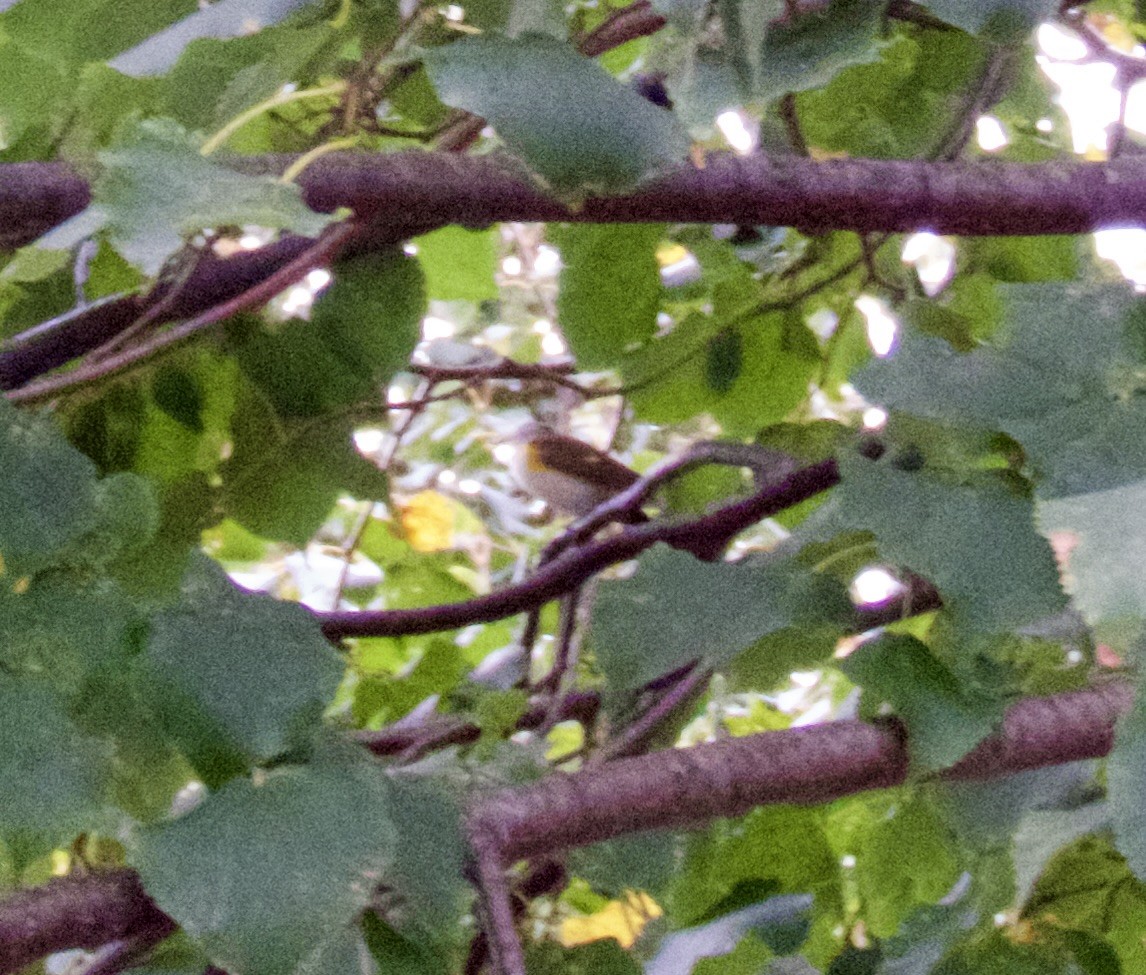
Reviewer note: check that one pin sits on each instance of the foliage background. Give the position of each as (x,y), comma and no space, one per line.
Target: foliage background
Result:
(338,446)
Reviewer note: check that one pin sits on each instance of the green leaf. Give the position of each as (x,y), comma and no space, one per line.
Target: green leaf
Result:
(609,291)
(160,51)
(599,958)
(370,316)
(1066,393)
(743,940)
(126,519)
(63,628)
(214,80)
(428,869)
(237,674)
(676,609)
(1006,20)
(943,721)
(269,876)
(976,541)
(104,101)
(575,126)
(771,660)
(363,329)
(384,699)
(724,360)
(186,425)
(71,32)
(32,92)
(148,770)
(1022,260)
(1077,883)
(901,106)
(156,190)
(1042,834)
(1088,886)
(785,844)
(154,570)
(1092,954)
(283,478)
(52,775)
(814,46)
(394,953)
(295,366)
(459,264)
(672,377)
(644,861)
(47,493)
(1101,534)
(906,861)
(177,394)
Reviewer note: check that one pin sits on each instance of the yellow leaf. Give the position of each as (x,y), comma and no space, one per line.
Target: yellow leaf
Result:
(428,522)
(620,919)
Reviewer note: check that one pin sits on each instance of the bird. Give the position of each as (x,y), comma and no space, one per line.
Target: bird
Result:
(570,475)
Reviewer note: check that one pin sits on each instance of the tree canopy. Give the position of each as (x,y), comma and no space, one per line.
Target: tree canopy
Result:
(294,677)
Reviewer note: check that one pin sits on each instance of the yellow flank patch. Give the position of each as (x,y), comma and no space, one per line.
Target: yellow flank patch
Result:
(533,461)
(623,920)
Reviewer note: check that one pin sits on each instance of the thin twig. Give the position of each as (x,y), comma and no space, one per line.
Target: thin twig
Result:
(636,736)
(421,399)
(987,91)
(153,314)
(780,304)
(557,373)
(558,682)
(791,119)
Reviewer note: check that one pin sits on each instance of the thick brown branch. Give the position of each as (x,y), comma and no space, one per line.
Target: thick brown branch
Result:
(77,912)
(34,197)
(213,281)
(320,252)
(678,788)
(405,194)
(413,192)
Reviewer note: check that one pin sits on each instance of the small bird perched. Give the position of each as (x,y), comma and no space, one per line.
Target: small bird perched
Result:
(568,474)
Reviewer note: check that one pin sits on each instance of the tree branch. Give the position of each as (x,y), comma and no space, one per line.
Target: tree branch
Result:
(568,570)
(674,788)
(681,788)
(320,252)
(82,911)
(413,192)
(406,194)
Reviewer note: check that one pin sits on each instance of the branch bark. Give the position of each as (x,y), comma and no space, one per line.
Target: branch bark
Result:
(82,911)
(412,192)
